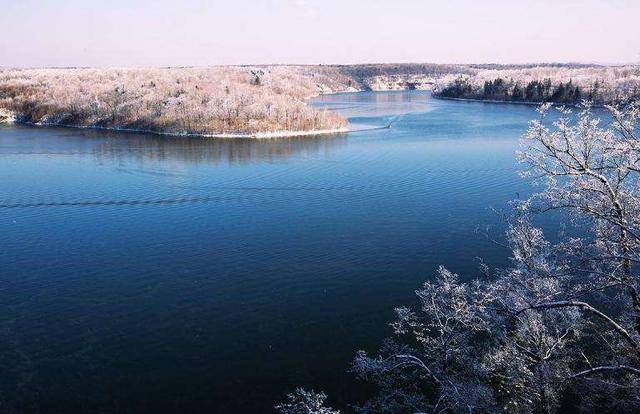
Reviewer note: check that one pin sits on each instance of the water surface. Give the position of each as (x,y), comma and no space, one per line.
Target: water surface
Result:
(145,273)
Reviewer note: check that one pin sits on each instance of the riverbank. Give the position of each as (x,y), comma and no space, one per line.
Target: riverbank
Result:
(527,103)
(257,135)
(494,101)
(7,117)
(561,85)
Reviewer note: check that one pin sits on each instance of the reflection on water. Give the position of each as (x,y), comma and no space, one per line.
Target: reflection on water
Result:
(149,274)
(376,104)
(131,146)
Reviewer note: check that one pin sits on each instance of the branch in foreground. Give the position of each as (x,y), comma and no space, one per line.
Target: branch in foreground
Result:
(604,369)
(583,305)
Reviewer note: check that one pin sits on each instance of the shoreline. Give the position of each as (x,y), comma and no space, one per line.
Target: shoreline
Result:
(256,135)
(495,101)
(527,103)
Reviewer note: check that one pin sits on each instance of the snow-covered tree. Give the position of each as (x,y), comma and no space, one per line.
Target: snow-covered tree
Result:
(215,100)
(567,84)
(432,363)
(302,401)
(593,173)
(562,318)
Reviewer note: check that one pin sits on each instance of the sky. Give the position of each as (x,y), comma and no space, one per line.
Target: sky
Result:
(199,33)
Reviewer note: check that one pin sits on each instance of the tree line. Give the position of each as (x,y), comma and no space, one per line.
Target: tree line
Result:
(539,84)
(219,100)
(508,90)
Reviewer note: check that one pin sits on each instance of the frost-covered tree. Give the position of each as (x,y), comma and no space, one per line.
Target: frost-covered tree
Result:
(561,319)
(544,83)
(531,356)
(593,173)
(217,100)
(302,401)
(432,363)
(477,347)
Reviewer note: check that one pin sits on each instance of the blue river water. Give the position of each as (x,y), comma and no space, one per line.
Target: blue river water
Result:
(153,274)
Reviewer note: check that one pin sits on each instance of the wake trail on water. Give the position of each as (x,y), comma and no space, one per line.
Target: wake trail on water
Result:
(89,203)
(409,183)
(392,120)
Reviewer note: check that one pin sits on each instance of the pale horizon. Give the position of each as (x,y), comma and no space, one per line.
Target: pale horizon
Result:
(163,33)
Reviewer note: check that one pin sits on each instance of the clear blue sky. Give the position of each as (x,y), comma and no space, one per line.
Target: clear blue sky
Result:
(199,32)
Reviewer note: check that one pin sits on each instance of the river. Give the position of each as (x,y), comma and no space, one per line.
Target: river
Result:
(146,274)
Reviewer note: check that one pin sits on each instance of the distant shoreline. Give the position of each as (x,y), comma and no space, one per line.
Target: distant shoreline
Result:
(527,103)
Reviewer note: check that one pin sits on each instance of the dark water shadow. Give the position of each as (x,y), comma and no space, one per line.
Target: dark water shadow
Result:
(130,146)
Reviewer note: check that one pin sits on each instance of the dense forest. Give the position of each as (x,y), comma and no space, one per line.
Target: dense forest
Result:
(508,90)
(200,101)
(557,84)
